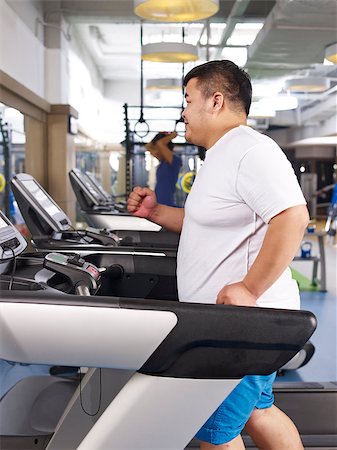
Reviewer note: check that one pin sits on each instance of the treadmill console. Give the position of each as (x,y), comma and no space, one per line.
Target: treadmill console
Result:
(83,184)
(107,198)
(12,243)
(75,268)
(36,204)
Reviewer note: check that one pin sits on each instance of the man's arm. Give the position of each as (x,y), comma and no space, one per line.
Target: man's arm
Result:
(162,146)
(165,152)
(280,245)
(169,217)
(142,202)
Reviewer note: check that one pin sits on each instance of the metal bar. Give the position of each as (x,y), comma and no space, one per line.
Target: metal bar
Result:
(7,166)
(236,13)
(128,152)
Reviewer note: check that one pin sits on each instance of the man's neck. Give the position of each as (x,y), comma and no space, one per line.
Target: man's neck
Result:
(221,132)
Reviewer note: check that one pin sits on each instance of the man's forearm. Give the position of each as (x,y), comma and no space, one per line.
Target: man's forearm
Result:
(168,217)
(280,245)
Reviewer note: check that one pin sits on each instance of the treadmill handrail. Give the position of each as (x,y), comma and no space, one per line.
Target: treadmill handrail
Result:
(208,341)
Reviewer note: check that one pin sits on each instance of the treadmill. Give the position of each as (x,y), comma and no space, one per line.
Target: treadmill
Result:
(100,211)
(157,359)
(120,206)
(51,228)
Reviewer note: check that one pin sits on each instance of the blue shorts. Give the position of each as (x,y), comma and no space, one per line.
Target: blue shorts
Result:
(227,422)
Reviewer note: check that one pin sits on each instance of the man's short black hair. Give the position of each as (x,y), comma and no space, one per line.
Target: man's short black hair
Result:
(159,136)
(226,77)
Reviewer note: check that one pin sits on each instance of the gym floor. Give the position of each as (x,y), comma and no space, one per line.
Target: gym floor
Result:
(323,365)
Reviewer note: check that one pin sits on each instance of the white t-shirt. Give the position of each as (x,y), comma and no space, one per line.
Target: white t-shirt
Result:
(245,181)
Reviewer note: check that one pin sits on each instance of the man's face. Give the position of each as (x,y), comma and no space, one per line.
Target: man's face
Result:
(195,114)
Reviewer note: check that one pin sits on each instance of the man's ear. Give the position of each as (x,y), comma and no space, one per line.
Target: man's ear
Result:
(217,101)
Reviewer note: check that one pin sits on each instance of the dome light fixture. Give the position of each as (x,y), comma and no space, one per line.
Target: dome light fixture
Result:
(308,84)
(331,53)
(175,10)
(280,102)
(178,52)
(163,84)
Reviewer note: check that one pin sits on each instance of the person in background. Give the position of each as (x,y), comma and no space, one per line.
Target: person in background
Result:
(161,147)
(241,227)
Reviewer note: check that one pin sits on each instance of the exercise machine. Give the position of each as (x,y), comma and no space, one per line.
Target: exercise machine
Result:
(51,228)
(126,275)
(168,355)
(99,210)
(90,193)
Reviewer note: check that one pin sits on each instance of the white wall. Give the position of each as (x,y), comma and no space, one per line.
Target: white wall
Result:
(117,93)
(64,72)
(29,11)
(123,91)
(21,53)
(86,89)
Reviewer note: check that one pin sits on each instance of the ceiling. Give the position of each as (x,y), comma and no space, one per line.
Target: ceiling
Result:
(290,42)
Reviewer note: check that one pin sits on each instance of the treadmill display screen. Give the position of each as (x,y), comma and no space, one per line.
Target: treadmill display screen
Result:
(88,185)
(41,197)
(91,189)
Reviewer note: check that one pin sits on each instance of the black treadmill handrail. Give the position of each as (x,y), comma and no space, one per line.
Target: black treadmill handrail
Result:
(208,341)
(174,357)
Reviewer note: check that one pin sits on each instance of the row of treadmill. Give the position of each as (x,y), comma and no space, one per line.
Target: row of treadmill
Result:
(97,352)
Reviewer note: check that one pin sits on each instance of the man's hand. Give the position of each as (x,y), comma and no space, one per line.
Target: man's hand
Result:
(142,202)
(236,294)
(168,137)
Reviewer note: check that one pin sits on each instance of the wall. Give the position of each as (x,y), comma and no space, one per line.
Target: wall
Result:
(21,53)
(86,89)
(117,93)
(62,71)
(30,12)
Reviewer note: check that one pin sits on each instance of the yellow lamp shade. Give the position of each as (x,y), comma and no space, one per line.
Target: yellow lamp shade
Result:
(331,53)
(175,10)
(307,84)
(169,52)
(163,84)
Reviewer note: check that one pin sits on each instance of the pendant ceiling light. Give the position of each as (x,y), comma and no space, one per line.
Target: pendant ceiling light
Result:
(163,84)
(178,52)
(331,53)
(308,84)
(175,10)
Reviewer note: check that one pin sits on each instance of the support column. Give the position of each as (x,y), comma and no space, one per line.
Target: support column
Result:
(61,158)
(105,171)
(36,149)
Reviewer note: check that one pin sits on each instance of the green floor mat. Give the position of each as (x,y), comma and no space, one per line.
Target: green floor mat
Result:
(304,283)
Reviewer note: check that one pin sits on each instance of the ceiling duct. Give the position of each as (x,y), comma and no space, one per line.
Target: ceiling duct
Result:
(293,37)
